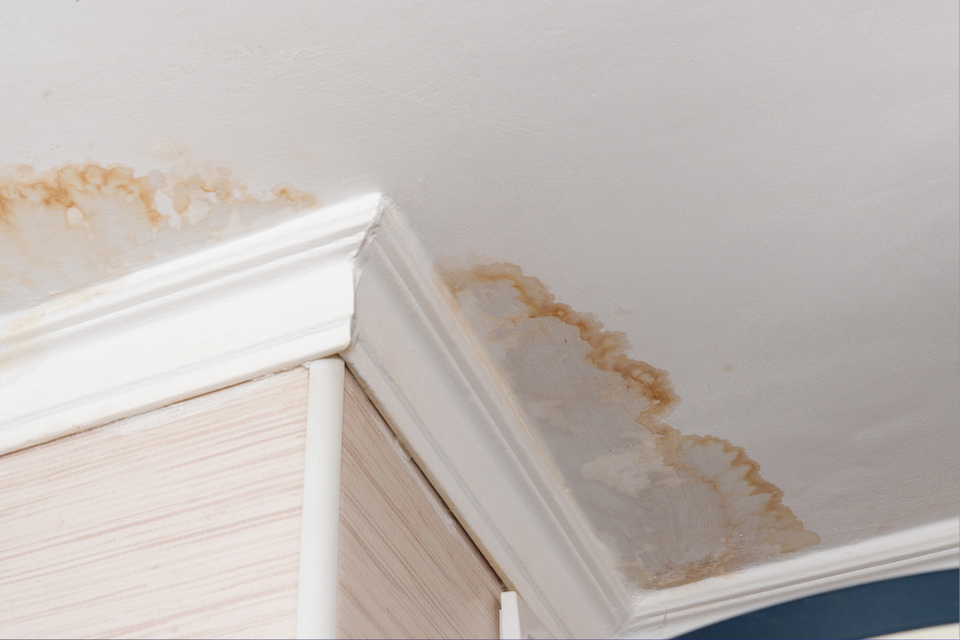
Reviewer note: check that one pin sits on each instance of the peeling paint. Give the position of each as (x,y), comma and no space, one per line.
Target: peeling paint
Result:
(79,223)
(674,508)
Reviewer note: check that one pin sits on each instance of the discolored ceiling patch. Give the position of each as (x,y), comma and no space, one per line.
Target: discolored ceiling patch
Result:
(67,227)
(673,508)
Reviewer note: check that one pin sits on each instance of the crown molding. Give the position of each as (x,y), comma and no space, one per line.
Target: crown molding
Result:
(671,612)
(446,403)
(353,279)
(181,327)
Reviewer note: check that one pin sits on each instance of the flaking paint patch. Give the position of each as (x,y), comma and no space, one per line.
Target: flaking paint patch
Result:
(674,508)
(69,226)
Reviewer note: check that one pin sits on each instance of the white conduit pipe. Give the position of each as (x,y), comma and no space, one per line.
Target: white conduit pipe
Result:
(317,597)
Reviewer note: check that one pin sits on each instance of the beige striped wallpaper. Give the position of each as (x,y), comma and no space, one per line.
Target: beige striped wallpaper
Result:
(182,522)
(185,522)
(407,569)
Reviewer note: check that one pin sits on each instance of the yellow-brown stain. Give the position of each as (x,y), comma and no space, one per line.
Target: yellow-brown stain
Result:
(69,226)
(608,348)
(675,508)
(77,186)
(80,186)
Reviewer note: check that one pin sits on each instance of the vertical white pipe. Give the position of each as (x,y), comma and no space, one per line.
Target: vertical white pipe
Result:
(509,616)
(317,600)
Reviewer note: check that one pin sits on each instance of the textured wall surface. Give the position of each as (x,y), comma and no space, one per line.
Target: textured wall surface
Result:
(407,569)
(185,522)
(182,522)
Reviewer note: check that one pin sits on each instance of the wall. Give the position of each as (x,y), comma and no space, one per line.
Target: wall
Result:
(182,522)
(407,569)
(762,198)
(185,522)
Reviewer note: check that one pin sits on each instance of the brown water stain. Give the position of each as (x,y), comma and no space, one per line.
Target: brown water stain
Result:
(80,186)
(675,508)
(75,186)
(69,226)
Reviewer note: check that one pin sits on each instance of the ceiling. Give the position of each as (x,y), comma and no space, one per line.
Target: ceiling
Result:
(763,199)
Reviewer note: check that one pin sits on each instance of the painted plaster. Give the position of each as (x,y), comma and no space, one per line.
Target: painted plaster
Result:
(82,223)
(674,508)
(764,197)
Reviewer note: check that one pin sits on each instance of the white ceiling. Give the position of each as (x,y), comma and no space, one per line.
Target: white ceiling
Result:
(762,196)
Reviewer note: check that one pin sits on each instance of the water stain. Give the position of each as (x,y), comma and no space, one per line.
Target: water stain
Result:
(73,188)
(69,226)
(673,508)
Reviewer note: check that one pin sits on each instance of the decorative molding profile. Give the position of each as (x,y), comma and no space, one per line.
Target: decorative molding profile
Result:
(671,612)
(182,327)
(353,279)
(446,404)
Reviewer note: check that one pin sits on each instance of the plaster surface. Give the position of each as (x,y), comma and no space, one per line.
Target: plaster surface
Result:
(762,197)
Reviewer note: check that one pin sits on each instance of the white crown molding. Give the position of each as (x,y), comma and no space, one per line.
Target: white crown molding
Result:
(300,291)
(446,404)
(181,327)
(671,612)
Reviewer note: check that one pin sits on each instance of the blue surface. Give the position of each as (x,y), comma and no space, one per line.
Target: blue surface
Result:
(857,612)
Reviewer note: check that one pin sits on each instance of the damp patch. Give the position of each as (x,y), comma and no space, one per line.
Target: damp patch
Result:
(69,226)
(673,508)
